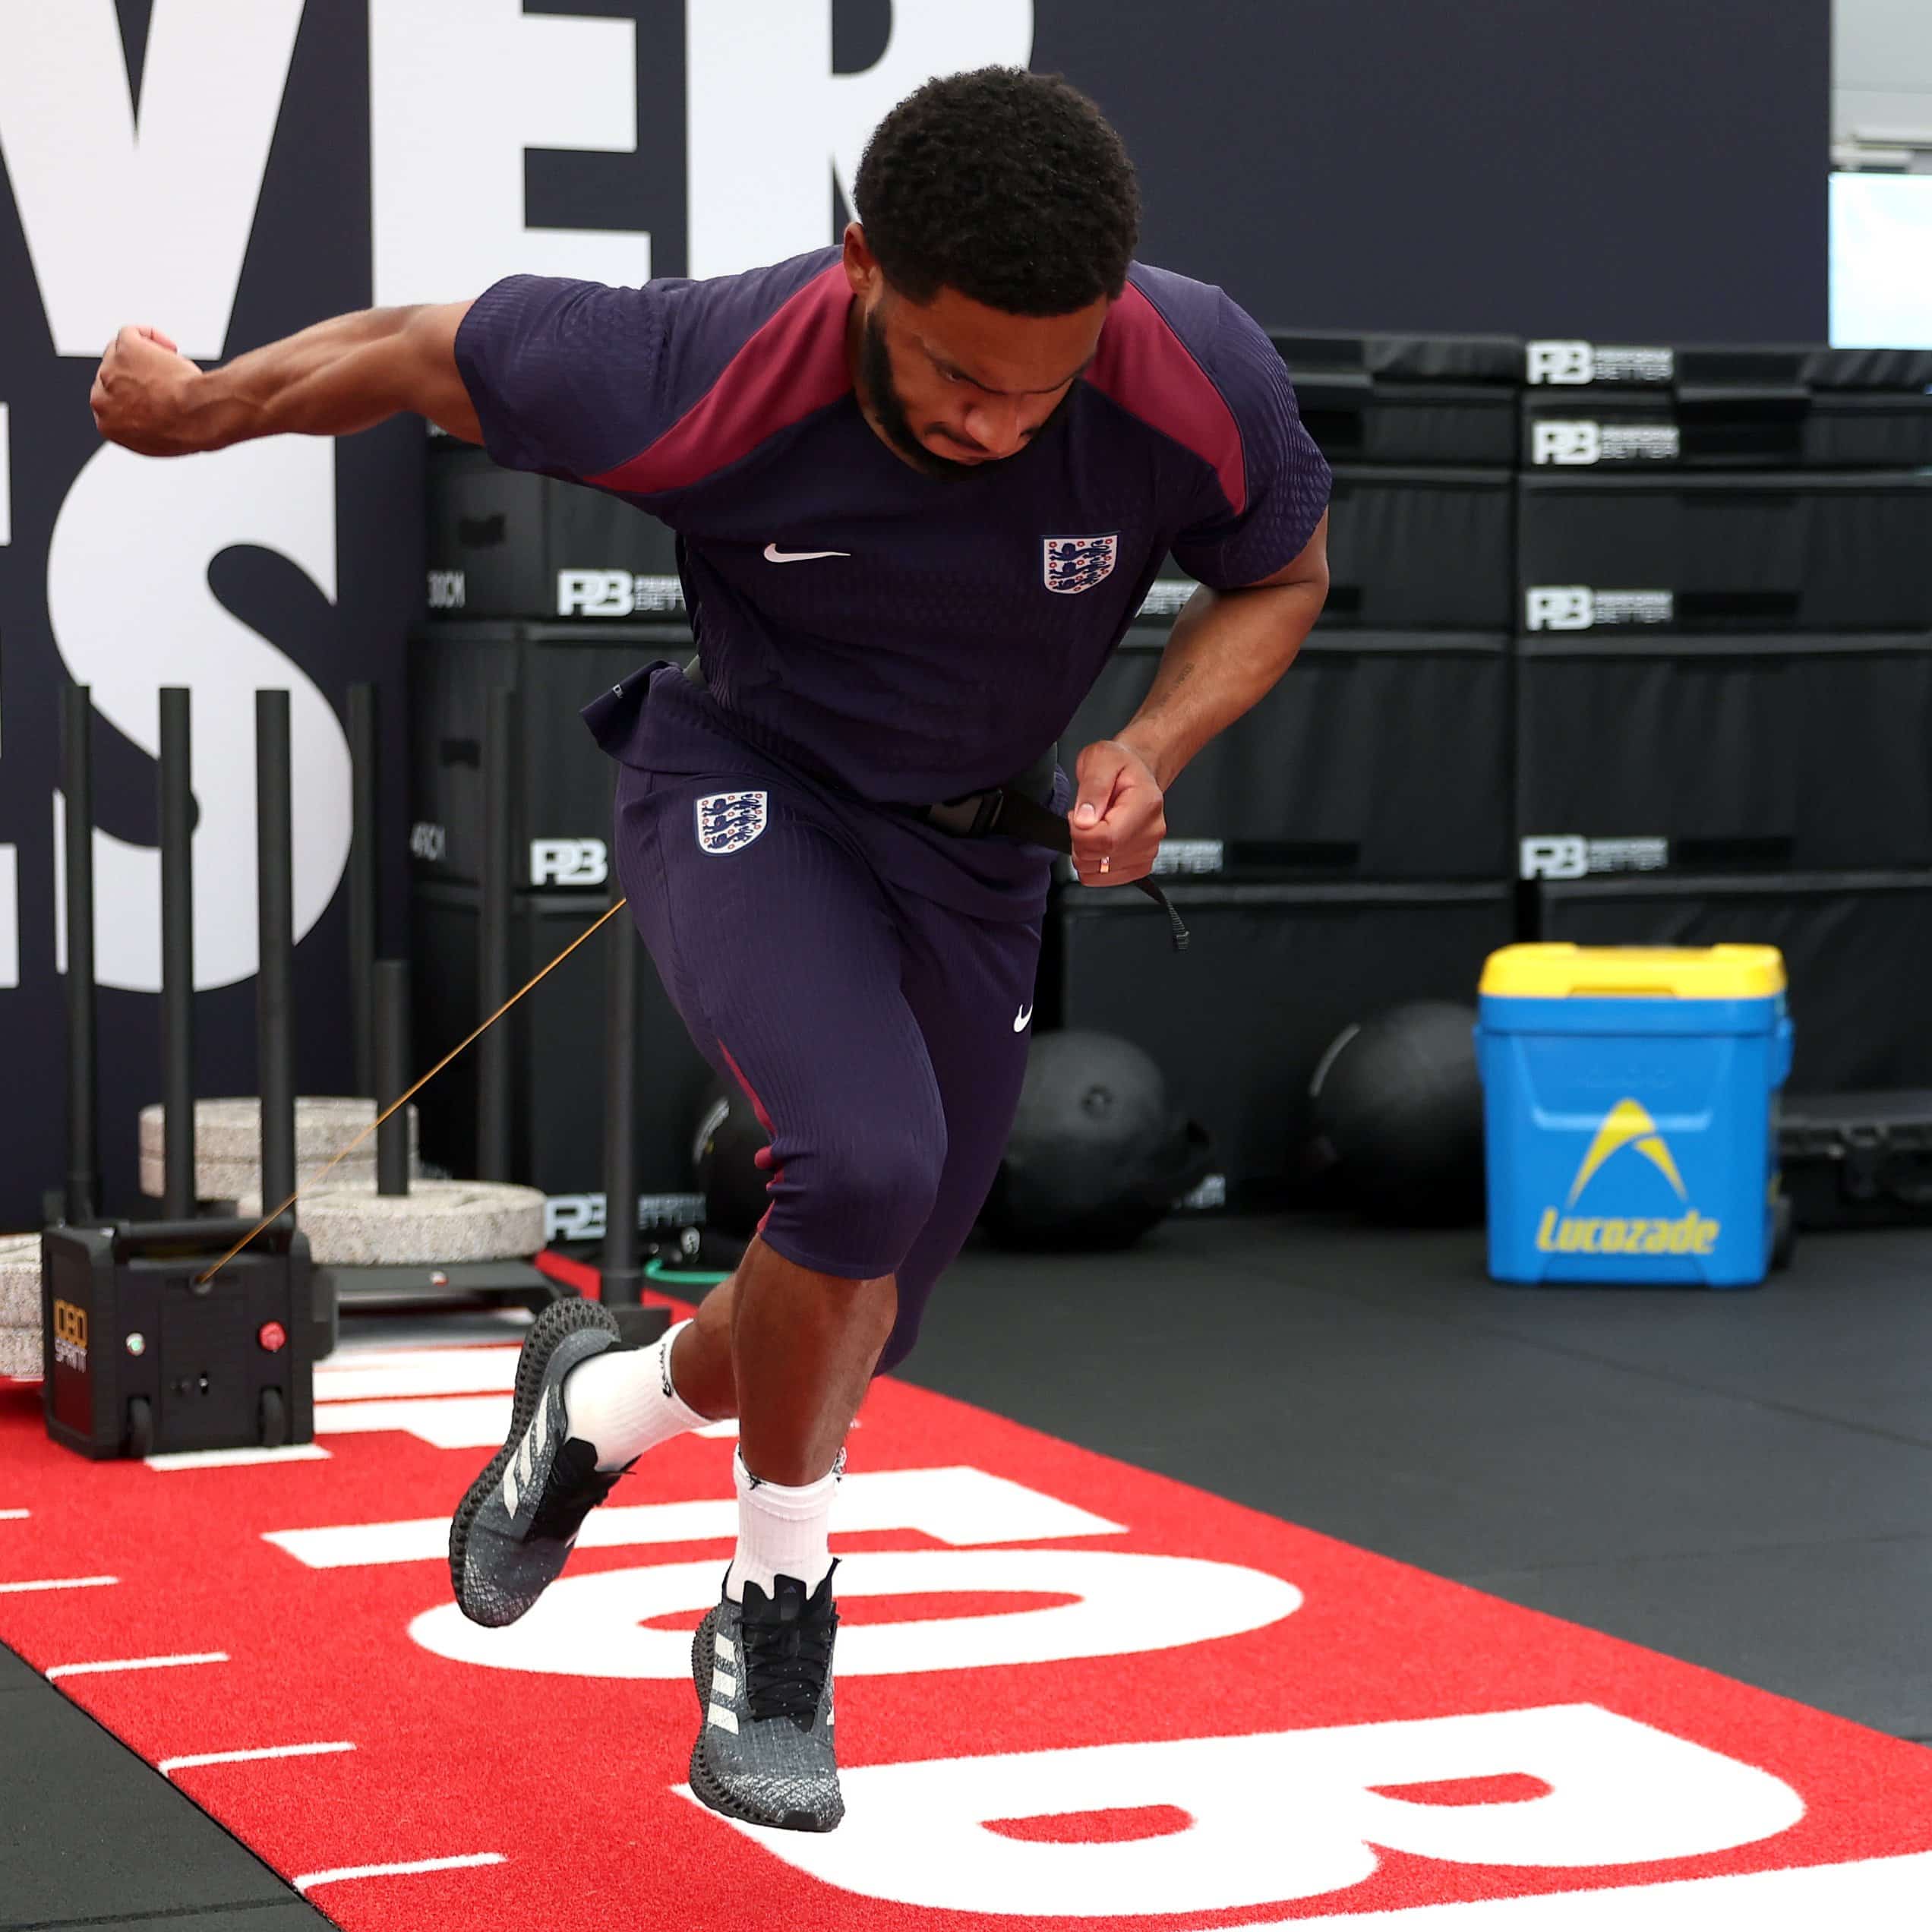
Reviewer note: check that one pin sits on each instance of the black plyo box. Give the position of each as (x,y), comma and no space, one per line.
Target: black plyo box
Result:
(1384,398)
(1240,1021)
(1492,361)
(561,784)
(1781,752)
(1420,549)
(1758,551)
(1563,364)
(1409,549)
(1381,755)
(505,543)
(1719,428)
(1762,406)
(1854,944)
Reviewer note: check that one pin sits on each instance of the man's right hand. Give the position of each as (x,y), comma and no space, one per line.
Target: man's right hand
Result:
(140,391)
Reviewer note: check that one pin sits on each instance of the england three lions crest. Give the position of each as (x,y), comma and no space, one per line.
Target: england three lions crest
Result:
(729,821)
(1072,563)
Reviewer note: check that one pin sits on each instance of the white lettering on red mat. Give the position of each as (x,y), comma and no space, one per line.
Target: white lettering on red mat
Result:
(406,1372)
(450,1422)
(1873,1895)
(1290,1814)
(593,1626)
(959,1505)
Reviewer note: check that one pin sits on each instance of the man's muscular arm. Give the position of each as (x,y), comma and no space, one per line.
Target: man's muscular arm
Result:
(339,376)
(1227,651)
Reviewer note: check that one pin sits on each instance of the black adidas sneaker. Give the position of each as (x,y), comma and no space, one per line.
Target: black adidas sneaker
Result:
(763,1673)
(511,1535)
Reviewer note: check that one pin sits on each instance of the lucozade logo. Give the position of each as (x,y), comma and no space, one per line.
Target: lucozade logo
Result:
(1628,1124)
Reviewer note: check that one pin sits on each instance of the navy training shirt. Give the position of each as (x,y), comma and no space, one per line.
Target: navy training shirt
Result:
(949,641)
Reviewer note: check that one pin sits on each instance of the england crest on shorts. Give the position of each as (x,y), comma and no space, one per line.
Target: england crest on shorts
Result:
(729,821)
(1072,563)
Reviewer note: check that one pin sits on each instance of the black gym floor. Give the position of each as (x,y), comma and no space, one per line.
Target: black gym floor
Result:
(1743,1480)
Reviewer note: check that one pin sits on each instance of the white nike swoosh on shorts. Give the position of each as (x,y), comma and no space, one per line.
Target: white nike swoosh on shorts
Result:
(774,555)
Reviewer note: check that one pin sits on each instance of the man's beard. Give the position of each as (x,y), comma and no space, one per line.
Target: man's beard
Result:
(883,398)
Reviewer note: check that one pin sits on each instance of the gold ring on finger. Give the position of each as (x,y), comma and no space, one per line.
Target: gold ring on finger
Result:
(1105,863)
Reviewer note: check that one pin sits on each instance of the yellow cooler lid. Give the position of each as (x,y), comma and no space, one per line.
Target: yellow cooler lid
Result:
(1575,972)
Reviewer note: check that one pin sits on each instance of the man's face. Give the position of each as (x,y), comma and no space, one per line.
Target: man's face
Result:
(952,384)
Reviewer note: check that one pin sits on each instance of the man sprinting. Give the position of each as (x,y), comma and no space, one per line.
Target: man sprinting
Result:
(921,483)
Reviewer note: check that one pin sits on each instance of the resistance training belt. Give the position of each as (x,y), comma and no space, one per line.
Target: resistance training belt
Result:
(1012,810)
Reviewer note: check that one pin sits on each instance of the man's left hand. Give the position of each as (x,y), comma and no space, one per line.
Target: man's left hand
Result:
(1119,816)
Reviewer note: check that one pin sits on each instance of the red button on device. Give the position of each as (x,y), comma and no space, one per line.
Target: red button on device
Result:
(272,1336)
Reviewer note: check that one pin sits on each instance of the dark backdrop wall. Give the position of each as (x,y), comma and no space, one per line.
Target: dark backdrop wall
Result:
(230,170)
(1645,170)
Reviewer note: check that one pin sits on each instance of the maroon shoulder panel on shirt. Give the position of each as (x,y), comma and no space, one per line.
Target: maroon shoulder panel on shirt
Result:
(793,364)
(1144,366)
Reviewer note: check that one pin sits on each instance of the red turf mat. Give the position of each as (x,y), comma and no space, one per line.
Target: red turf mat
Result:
(1071,1694)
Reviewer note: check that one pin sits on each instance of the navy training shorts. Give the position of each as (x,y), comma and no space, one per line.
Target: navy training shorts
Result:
(868,982)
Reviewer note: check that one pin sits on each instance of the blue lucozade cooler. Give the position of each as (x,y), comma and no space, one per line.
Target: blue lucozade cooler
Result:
(1628,1095)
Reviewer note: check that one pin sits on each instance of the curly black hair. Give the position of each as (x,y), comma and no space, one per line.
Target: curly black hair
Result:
(1010,186)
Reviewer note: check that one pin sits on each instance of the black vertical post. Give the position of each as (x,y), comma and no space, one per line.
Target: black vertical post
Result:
(390,985)
(177,954)
(83,1187)
(493,1060)
(622,1281)
(275,1002)
(363,884)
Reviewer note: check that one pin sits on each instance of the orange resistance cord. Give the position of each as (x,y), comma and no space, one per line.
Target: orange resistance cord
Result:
(322,1173)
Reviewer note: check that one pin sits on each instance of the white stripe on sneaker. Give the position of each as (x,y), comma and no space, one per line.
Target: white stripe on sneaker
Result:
(725,1720)
(724,1684)
(726,1654)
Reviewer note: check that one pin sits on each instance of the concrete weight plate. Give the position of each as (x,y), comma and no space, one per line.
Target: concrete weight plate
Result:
(20,1351)
(20,1282)
(349,1225)
(228,1143)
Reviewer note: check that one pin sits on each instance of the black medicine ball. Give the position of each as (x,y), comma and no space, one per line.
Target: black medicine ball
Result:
(726,1146)
(1097,1156)
(1399,1100)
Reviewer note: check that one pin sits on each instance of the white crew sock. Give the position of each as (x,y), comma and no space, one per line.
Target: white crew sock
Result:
(781,1531)
(622,1402)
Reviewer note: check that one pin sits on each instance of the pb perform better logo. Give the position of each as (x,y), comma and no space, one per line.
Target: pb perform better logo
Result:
(616,593)
(1628,1125)
(70,1337)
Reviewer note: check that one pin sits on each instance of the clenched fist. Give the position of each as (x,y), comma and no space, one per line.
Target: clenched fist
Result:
(1119,816)
(141,394)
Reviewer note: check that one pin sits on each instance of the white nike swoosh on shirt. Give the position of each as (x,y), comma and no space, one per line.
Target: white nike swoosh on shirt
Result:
(1026,1013)
(774,555)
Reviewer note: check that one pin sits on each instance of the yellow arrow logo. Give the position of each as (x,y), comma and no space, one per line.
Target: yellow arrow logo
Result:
(1627,1124)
